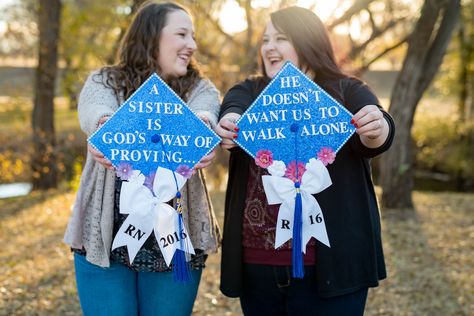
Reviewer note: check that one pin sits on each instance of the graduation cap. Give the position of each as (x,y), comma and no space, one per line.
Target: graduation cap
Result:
(154,140)
(152,128)
(294,129)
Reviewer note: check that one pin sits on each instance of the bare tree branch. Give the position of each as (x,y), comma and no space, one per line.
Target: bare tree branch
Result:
(214,23)
(366,65)
(358,6)
(376,33)
(371,19)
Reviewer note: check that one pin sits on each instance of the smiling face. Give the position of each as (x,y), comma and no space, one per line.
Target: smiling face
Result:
(276,49)
(176,45)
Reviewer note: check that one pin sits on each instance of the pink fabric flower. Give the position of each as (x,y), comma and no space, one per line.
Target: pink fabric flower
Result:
(124,170)
(185,171)
(326,155)
(264,158)
(291,171)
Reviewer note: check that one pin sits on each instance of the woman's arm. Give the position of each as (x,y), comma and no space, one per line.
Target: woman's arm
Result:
(95,102)
(235,102)
(205,101)
(374,127)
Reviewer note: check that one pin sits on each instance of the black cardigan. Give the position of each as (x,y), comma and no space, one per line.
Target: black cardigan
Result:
(355,259)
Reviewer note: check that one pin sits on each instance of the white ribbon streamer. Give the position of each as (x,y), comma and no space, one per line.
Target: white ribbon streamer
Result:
(148,212)
(280,190)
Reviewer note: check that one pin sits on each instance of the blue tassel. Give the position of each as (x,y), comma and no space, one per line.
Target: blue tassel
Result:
(181,268)
(297,253)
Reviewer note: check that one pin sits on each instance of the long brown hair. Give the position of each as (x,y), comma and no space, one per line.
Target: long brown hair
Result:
(311,41)
(138,54)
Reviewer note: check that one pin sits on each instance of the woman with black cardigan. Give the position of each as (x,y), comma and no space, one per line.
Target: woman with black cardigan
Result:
(336,279)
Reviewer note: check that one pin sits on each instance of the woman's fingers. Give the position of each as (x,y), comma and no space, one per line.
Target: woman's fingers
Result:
(369,121)
(206,160)
(103,119)
(227,130)
(99,157)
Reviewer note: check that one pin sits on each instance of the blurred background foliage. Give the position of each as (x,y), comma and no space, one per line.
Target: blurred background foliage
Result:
(369,38)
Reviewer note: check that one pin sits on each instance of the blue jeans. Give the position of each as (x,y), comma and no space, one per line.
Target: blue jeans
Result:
(270,290)
(117,290)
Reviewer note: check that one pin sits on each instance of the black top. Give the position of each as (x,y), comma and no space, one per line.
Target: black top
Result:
(355,259)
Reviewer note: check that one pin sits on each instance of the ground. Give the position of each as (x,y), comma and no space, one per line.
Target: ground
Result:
(429,254)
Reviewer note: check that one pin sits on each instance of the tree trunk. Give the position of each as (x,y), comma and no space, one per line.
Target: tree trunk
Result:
(426,48)
(463,73)
(43,156)
(356,7)
(466,71)
(462,97)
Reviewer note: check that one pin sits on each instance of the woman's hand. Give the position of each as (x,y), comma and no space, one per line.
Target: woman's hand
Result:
(371,126)
(204,119)
(227,130)
(206,160)
(97,155)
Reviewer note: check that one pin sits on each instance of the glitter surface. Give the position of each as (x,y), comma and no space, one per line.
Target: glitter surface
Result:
(152,128)
(294,118)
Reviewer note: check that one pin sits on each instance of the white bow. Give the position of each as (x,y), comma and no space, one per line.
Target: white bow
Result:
(282,190)
(149,212)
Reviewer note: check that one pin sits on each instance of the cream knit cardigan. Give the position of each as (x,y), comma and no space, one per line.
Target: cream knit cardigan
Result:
(91,224)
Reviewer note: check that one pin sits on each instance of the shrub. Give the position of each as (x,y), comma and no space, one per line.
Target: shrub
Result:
(445,145)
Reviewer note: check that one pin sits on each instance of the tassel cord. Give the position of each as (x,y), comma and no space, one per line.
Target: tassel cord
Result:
(181,266)
(297,253)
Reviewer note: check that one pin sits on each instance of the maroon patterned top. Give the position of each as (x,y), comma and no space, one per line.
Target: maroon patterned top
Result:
(259,226)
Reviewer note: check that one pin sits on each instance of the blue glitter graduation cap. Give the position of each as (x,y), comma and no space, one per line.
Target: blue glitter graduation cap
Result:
(151,129)
(292,101)
(294,129)
(154,128)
